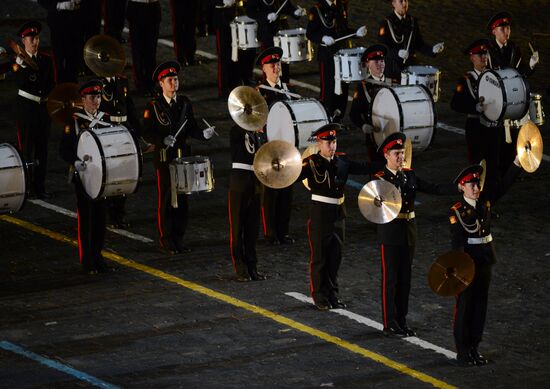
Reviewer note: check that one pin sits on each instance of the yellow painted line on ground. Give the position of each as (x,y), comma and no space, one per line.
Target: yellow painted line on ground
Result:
(240,304)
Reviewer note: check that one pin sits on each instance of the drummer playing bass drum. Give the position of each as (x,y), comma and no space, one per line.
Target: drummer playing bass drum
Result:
(90,212)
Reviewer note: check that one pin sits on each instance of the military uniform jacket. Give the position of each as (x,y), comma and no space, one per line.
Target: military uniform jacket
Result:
(116,101)
(272,97)
(396,34)
(507,57)
(324,19)
(244,145)
(402,231)
(259,9)
(161,120)
(38,83)
(361,106)
(470,223)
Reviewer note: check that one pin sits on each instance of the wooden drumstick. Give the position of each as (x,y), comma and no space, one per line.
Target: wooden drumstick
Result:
(342,37)
(295,95)
(280,8)
(531,47)
(209,126)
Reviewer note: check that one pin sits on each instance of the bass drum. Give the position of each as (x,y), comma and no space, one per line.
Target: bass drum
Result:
(505,94)
(295,120)
(13,179)
(114,162)
(406,108)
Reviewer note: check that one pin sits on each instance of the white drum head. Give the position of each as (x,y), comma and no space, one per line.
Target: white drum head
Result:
(493,93)
(385,115)
(93,177)
(13,179)
(280,124)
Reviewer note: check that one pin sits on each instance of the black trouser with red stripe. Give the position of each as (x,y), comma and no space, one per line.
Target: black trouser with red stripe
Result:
(471,310)
(396,283)
(244,226)
(185,15)
(171,222)
(276,210)
(91,228)
(326,230)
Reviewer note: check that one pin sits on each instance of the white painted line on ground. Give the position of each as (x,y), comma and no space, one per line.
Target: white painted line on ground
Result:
(378,326)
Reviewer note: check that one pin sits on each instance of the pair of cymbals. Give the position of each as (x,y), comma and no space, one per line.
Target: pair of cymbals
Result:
(277,164)
(529,147)
(451,273)
(104,56)
(379,201)
(247,108)
(18,50)
(63,101)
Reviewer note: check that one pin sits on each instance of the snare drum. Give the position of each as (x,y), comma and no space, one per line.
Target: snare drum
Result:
(348,66)
(192,174)
(424,75)
(114,162)
(13,179)
(295,120)
(296,47)
(406,108)
(244,33)
(536,113)
(505,94)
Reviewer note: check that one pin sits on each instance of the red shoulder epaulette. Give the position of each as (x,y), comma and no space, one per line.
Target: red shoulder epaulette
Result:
(379,174)
(457,205)
(339,153)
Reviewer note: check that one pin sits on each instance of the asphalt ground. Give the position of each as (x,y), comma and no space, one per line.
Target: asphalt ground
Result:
(183,321)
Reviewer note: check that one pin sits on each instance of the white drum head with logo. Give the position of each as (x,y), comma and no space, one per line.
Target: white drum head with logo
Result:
(13,179)
(505,94)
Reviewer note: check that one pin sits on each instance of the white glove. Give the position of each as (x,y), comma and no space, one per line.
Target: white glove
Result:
(169,141)
(20,62)
(534,59)
(361,31)
(208,132)
(479,106)
(300,12)
(66,6)
(403,54)
(80,166)
(328,40)
(2,50)
(367,128)
(272,16)
(438,47)
(228,3)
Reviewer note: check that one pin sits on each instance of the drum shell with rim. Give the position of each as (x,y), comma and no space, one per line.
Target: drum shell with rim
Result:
(294,121)
(193,174)
(296,47)
(348,66)
(505,93)
(13,179)
(405,108)
(244,33)
(115,164)
(425,75)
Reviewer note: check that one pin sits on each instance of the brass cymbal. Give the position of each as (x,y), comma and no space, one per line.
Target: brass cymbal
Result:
(248,108)
(529,147)
(483,164)
(63,101)
(311,149)
(379,201)
(18,50)
(451,273)
(104,56)
(277,164)
(407,162)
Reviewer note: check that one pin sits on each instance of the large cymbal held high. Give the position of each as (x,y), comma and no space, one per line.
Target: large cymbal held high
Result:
(483,164)
(20,52)
(104,56)
(247,108)
(311,149)
(277,164)
(379,201)
(529,147)
(63,101)
(451,273)
(407,161)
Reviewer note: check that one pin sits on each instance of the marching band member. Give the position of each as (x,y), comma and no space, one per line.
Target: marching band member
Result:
(33,121)
(470,222)
(400,31)
(90,212)
(115,14)
(326,173)
(163,117)
(397,238)
(361,111)
(328,21)
(185,15)
(276,202)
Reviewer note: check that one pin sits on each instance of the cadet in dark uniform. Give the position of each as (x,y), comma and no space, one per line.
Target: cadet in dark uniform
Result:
(115,15)
(328,21)
(470,220)
(361,107)
(67,37)
(398,238)
(90,213)
(326,173)
(244,203)
(163,117)
(33,121)
(269,22)
(401,33)
(117,102)
(276,202)
(185,15)
(144,24)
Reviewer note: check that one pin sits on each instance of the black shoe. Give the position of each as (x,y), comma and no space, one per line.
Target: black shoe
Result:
(184,249)
(394,331)
(89,272)
(464,360)
(168,250)
(337,304)
(273,241)
(322,305)
(287,239)
(477,358)
(255,276)
(122,225)
(408,331)
(44,195)
(105,269)
(243,278)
